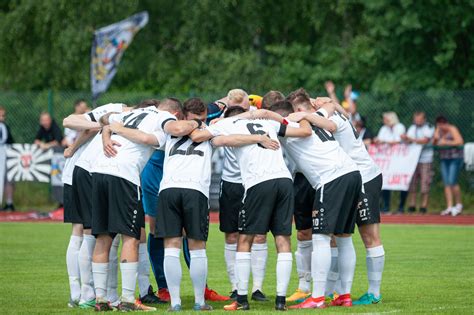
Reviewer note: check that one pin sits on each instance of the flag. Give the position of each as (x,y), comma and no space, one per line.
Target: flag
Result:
(27,162)
(108,46)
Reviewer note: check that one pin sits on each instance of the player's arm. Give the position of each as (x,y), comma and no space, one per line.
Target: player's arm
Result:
(201,135)
(84,136)
(316,120)
(134,135)
(181,128)
(304,130)
(105,119)
(242,140)
(79,122)
(262,114)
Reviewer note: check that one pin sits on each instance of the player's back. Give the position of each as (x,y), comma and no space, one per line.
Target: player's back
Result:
(187,164)
(352,144)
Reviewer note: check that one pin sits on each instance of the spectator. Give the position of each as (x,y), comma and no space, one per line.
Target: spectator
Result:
(421,133)
(6,138)
(391,133)
(49,135)
(70,135)
(365,133)
(448,135)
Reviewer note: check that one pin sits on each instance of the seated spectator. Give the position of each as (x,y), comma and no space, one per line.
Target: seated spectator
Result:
(6,138)
(391,133)
(70,135)
(448,135)
(421,133)
(49,135)
(365,133)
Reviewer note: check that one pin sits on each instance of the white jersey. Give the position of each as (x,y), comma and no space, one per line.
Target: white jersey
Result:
(319,157)
(231,168)
(187,164)
(352,144)
(93,115)
(256,163)
(131,157)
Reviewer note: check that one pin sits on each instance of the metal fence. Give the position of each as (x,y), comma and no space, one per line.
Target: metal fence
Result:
(23,108)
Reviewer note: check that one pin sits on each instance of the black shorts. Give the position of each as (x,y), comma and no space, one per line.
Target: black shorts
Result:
(180,208)
(304,201)
(116,206)
(369,202)
(268,206)
(231,202)
(71,212)
(336,212)
(82,194)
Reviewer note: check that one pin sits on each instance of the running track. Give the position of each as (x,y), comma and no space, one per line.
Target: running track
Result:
(57,216)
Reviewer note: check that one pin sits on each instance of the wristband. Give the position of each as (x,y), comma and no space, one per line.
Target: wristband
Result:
(199,123)
(284,122)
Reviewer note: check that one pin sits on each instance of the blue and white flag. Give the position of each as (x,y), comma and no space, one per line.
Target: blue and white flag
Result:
(108,46)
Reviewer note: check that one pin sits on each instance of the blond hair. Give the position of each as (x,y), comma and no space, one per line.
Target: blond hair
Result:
(237,97)
(392,118)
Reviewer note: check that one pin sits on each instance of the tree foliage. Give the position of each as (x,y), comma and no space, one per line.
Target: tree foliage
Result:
(209,46)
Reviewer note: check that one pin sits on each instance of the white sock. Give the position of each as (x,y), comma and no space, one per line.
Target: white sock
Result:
(229,255)
(112,278)
(320,263)
(259,264)
(72,263)
(283,272)
(100,271)
(333,274)
(242,271)
(143,269)
(198,273)
(129,281)
(346,262)
(85,268)
(173,274)
(375,263)
(303,264)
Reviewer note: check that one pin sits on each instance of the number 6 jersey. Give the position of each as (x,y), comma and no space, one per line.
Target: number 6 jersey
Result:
(187,164)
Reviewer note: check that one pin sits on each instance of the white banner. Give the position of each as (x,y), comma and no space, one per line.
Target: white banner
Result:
(397,162)
(27,162)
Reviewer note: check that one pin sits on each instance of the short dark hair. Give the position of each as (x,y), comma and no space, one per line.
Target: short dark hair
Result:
(171,104)
(79,101)
(233,111)
(441,120)
(284,108)
(194,105)
(299,97)
(271,98)
(147,103)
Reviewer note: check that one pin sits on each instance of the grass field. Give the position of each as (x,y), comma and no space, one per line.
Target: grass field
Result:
(428,269)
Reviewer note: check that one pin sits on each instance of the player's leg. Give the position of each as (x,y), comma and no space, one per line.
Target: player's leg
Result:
(100,270)
(333,282)
(173,272)
(112,278)
(198,272)
(129,267)
(147,296)
(259,255)
(368,221)
(230,250)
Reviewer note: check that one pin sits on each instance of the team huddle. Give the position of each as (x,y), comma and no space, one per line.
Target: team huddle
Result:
(297,159)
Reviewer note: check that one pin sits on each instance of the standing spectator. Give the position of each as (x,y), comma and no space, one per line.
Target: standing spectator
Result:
(70,135)
(49,135)
(364,132)
(421,133)
(448,135)
(391,133)
(6,138)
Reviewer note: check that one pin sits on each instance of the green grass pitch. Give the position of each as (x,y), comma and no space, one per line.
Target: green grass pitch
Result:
(428,269)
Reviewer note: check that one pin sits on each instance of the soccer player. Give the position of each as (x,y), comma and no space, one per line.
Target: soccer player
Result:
(77,210)
(337,182)
(116,195)
(368,218)
(268,203)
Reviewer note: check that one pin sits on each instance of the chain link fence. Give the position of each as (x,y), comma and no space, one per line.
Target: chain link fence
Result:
(23,110)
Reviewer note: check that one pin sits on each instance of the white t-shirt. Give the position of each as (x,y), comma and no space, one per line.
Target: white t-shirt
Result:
(132,157)
(351,142)
(93,115)
(187,164)
(319,157)
(256,163)
(388,134)
(420,132)
(231,168)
